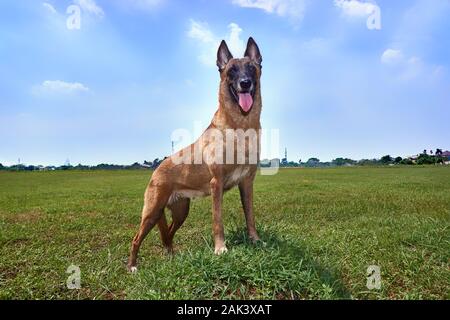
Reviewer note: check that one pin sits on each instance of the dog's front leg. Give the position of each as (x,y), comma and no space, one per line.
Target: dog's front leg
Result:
(217,196)
(246,191)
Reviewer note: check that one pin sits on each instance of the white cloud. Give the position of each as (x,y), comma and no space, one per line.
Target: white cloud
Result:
(292,9)
(408,68)
(201,32)
(234,41)
(209,42)
(139,5)
(355,8)
(49,7)
(266,5)
(59,87)
(91,7)
(144,4)
(392,56)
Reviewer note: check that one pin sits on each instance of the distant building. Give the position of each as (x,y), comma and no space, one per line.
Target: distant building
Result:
(446,156)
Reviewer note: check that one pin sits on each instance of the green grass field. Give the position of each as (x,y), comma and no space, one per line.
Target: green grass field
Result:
(322,229)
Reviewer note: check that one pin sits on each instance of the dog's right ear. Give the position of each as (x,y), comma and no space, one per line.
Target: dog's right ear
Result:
(223,55)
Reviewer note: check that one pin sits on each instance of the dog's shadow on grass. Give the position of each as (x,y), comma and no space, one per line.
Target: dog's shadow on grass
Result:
(324,282)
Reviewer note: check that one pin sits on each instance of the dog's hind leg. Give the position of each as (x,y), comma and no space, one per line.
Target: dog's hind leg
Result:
(164,233)
(180,211)
(155,201)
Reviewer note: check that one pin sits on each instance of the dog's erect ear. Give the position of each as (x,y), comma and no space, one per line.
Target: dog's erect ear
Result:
(223,55)
(252,51)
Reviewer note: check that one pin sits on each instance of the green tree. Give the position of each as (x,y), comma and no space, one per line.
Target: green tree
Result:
(426,159)
(292,164)
(368,162)
(398,160)
(407,161)
(386,159)
(343,162)
(312,162)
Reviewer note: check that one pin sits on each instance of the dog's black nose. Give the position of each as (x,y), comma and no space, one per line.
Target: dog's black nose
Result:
(245,84)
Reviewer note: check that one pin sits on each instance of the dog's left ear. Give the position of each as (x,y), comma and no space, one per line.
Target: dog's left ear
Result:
(252,51)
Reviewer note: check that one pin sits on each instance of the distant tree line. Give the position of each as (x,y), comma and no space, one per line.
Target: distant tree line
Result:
(437,157)
(424,158)
(103,166)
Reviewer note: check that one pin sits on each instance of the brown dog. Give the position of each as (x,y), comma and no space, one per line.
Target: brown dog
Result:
(199,169)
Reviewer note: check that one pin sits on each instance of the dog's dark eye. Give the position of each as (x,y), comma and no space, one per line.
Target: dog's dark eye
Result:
(232,71)
(251,68)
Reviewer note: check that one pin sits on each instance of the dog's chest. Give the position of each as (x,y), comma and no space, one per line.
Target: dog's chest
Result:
(235,176)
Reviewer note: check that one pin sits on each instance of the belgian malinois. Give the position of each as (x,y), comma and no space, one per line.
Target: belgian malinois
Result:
(175,182)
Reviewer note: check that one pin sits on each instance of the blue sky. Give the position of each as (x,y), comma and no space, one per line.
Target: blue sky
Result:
(114,90)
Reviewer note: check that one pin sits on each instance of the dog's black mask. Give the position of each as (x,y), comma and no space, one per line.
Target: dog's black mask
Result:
(241,75)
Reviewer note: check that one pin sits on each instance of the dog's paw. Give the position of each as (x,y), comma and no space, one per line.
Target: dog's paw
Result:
(170,251)
(255,239)
(220,251)
(133,269)
(259,242)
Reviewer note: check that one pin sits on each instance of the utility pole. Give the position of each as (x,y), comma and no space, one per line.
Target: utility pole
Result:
(284,161)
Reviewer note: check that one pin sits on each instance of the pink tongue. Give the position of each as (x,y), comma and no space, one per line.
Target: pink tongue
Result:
(245,101)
